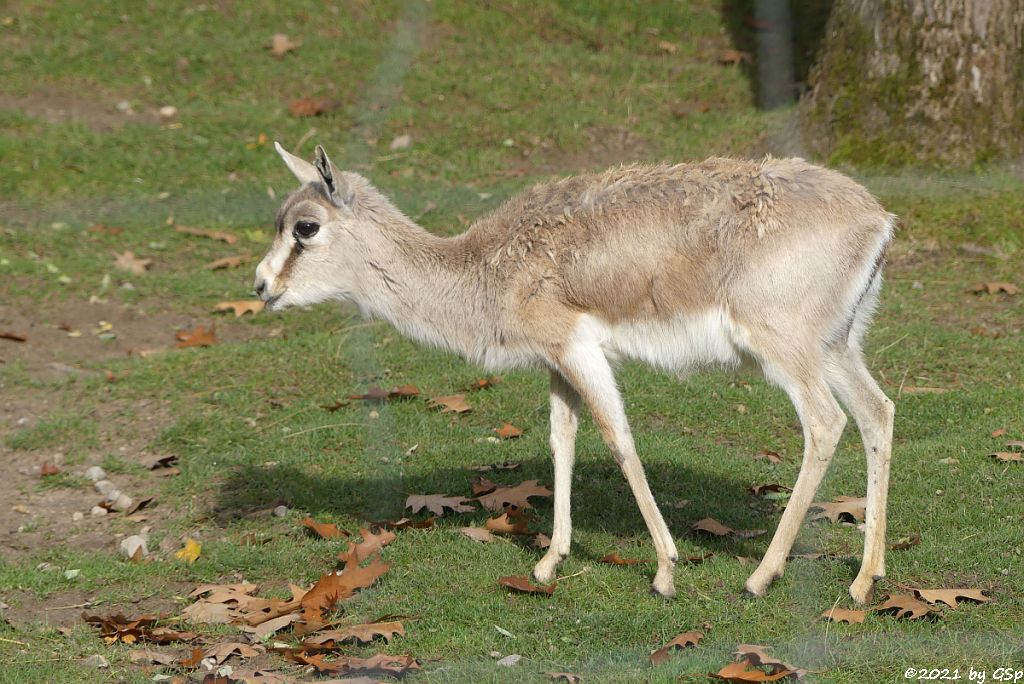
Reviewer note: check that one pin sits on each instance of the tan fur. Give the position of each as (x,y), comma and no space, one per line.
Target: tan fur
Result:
(786,254)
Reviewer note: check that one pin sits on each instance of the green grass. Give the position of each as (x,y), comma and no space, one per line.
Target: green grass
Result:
(573,86)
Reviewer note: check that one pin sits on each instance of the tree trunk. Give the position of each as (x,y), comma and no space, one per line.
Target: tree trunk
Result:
(938,82)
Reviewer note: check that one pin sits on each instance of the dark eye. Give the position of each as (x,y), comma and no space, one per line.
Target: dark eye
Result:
(306,229)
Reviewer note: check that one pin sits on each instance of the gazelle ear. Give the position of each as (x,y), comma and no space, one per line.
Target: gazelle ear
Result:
(337,187)
(303,170)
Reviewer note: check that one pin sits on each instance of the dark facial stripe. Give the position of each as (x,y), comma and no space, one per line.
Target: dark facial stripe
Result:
(290,261)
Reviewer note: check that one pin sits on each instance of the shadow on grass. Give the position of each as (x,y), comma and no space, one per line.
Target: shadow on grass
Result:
(602,501)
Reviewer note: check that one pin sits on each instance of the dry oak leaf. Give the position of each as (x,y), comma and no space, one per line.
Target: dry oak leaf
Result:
(904,543)
(849,507)
(684,640)
(503,524)
(454,403)
(200,336)
(742,672)
(730,56)
(995,288)
(950,596)
(771,456)
(523,585)
(484,383)
(1015,444)
(396,666)
(272,626)
(119,628)
(281,44)
(190,553)
(127,261)
(228,262)
(508,431)
(148,657)
(362,634)
(13,336)
(371,544)
(241,307)
(1007,456)
(773,488)
(378,394)
(48,469)
(616,559)
(480,485)
(517,496)
(843,615)
(905,606)
(755,655)
(478,534)
(221,652)
(312,106)
(323,530)
(712,526)
(999,432)
(222,235)
(541,541)
(407,523)
(436,503)
(337,586)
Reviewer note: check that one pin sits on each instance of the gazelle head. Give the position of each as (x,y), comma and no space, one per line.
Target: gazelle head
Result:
(317,236)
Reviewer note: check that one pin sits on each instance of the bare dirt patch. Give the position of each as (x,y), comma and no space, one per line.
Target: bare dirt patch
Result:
(78,103)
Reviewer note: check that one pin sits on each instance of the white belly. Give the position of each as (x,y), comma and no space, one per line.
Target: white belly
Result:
(679,344)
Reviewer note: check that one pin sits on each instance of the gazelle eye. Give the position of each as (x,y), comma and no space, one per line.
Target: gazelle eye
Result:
(306,229)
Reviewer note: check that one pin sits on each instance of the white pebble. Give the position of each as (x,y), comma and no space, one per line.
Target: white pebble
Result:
(168,111)
(77,515)
(104,486)
(281,511)
(96,661)
(122,503)
(509,661)
(113,494)
(98,510)
(95,474)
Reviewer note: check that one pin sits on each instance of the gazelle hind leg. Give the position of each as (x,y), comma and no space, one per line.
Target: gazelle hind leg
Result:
(586,368)
(565,408)
(823,422)
(874,413)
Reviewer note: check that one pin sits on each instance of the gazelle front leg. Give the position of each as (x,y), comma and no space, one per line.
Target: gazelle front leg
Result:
(565,410)
(586,368)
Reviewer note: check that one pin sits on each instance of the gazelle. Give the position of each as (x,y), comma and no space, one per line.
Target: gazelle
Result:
(777,261)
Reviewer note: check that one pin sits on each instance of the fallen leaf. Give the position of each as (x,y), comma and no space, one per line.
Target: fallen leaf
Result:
(905,606)
(436,503)
(616,559)
(104,229)
(362,634)
(773,488)
(504,465)
(222,235)
(755,655)
(1015,444)
(132,630)
(337,586)
(372,543)
(523,585)
(1007,456)
(484,383)
(995,288)
(190,553)
(904,543)
(163,462)
(221,652)
(503,524)
(200,336)
(517,496)
(843,615)
(842,507)
(478,534)
(712,526)
(999,432)
(312,106)
(281,44)
(950,596)
(771,456)
(13,336)
(400,142)
(48,469)
(696,560)
(667,47)
(396,666)
(541,541)
(455,403)
(508,431)
(742,672)
(748,534)
(228,262)
(127,261)
(684,640)
(252,306)
(148,657)
(406,523)
(569,677)
(480,485)
(324,530)
(266,629)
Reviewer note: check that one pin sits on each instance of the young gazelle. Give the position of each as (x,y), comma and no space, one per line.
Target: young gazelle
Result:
(777,261)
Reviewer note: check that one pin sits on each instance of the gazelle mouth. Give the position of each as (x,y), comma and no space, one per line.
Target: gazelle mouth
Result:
(270,302)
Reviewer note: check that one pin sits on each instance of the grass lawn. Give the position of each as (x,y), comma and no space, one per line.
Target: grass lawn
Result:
(494,97)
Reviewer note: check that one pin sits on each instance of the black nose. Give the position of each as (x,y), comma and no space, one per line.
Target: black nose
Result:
(261,287)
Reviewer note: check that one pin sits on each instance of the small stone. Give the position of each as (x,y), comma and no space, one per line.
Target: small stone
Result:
(95,474)
(77,515)
(168,112)
(281,511)
(97,661)
(401,142)
(104,486)
(122,503)
(72,574)
(98,510)
(132,545)
(494,654)
(374,414)
(113,494)
(44,567)
(510,661)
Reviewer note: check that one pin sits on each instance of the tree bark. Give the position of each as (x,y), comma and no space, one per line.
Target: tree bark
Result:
(938,82)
